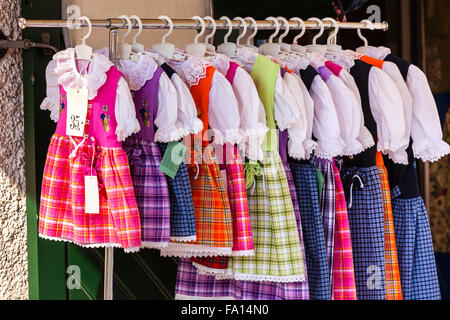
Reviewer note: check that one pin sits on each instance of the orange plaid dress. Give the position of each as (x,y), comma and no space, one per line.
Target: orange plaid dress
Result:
(393,284)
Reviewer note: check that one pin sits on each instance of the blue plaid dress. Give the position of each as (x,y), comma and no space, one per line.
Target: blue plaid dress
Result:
(305,179)
(182,218)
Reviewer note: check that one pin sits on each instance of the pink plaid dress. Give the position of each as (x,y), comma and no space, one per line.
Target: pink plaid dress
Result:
(99,153)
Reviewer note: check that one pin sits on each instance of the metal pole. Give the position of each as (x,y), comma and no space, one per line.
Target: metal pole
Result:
(109,252)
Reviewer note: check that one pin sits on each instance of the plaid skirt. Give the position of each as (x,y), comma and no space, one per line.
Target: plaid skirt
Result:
(305,180)
(365,213)
(62,211)
(344,287)
(152,194)
(327,207)
(182,218)
(414,248)
(278,255)
(212,212)
(392,272)
(237,196)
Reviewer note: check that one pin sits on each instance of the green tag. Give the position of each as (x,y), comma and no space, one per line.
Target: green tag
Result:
(172,158)
(319,182)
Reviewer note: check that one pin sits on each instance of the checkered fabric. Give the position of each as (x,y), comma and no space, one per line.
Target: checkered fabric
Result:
(182,218)
(415,249)
(344,287)
(327,207)
(275,234)
(62,215)
(392,272)
(212,212)
(367,230)
(152,194)
(305,180)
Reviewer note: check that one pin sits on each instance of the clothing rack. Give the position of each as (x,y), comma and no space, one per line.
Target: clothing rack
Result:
(113,24)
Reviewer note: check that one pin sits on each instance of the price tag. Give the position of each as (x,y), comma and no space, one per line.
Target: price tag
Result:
(172,158)
(91,198)
(77,103)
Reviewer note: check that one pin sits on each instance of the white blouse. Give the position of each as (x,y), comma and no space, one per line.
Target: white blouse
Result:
(223,111)
(137,74)
(253,127)
(62,70)
(347,108)
(426,130)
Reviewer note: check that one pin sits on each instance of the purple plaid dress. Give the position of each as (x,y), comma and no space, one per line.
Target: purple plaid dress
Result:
(150,184)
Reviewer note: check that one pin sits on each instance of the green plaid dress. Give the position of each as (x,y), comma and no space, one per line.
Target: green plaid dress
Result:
(278,255)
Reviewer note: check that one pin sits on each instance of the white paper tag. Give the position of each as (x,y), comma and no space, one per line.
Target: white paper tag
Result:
(77,103)
(91,198)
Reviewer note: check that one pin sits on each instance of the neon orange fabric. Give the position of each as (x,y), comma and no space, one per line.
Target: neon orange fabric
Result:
(372,61)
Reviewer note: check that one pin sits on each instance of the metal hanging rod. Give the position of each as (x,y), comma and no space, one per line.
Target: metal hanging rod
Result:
(116,23)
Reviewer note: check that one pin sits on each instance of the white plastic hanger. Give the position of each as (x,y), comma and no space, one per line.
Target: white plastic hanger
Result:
(366,48)
(135,46)
(271,49)
(83,51)
(332,45)
(242,24)
(250,37)
(295,46)
(227,48)
(125,48)
(197,49)
(314,47)
(209,47)
(164,48)
(284,47)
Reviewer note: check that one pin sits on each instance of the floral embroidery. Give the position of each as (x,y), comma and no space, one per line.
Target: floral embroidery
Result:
(145,103)
(105,108)
(105,121)
(62,104)
(145,116)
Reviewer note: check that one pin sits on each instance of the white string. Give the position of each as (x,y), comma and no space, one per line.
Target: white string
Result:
(77,146)
(198,170)
(361,185)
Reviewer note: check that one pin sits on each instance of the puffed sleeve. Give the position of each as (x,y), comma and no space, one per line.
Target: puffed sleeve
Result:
(347,110)
(309,144)
(187,112)
(51,101)
(286,112)
(326,124)
(223,113)
(252,117)
(297,132)
(386,106)
(125,112)
(426,130)
(166,117)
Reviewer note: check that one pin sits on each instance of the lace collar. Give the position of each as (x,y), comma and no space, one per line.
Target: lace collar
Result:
(247,57)
(192,70)
(379,53)
(343,59)
(70,78)
(222,63)
(138,73)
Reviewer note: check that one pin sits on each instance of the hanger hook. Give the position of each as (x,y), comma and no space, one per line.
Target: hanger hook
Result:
(322,28)
(286,26)
(83,40)
(128,20)
(228,22)
(169,21)
(244,28)
(333,35)
(202,22)
(277,27)
(370,26)
(300,23)
(255,29)
(214,26)
(139,22)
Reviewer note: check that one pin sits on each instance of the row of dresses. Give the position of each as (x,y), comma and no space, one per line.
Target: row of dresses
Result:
(299,181)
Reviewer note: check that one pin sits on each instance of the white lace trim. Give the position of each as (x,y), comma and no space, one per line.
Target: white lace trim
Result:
(138,73)
(90,245)
(187,297)
(296,149)
(222,63)
(184,239)
(187,250)
(366,139)
(254,138)
(243,253)
(124,130)
(203,270)
(192,70)
(69,77)
(431,151)
(309,145)
(247,56)
(154,245)
(51,104)
(353,148)
(399,156)
(269,278)
(232,136)
(329,149)
(166,135)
